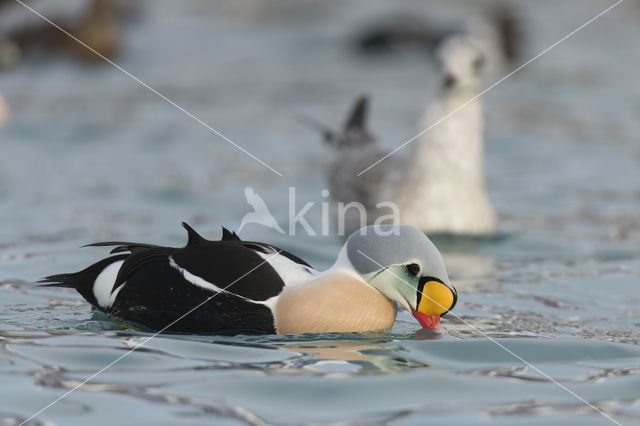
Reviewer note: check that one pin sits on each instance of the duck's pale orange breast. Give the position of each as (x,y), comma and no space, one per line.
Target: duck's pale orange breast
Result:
(333,303)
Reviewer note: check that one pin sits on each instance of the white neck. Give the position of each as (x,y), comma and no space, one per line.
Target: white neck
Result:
(454,145)
(444,189)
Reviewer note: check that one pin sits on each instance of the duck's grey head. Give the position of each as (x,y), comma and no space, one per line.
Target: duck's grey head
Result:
(462,63)
(404,265)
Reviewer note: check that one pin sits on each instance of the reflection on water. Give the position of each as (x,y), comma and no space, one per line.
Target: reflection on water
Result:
(370,356)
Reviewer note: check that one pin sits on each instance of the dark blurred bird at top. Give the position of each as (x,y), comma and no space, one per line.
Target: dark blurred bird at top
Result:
(499,32)
(98,25)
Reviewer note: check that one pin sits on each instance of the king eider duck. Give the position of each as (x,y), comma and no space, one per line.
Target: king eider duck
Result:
(232,286)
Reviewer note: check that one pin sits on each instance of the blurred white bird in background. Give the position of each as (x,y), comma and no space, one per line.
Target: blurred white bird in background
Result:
(444,189)
(4,111)
(440,186)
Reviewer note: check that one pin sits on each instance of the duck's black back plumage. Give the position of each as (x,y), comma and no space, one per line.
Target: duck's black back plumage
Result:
(158,297)
(158,287)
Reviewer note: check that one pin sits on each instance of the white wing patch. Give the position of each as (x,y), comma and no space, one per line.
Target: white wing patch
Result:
(194,279)
(202,283)
(290,272)
(103,285)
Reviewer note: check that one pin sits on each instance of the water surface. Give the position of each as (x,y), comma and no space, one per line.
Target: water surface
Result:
(90,155)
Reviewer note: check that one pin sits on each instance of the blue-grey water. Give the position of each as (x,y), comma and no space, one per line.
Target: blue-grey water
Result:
(91,155)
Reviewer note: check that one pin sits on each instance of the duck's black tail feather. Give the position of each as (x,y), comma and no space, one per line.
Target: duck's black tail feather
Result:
(83,281)
(59,280)
(122,246)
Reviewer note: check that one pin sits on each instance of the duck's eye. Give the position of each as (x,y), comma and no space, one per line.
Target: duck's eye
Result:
(414,269)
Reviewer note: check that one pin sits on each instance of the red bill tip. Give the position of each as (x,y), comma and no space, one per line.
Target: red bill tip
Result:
(430,322)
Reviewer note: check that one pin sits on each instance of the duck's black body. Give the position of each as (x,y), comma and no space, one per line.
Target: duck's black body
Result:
(159,287)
